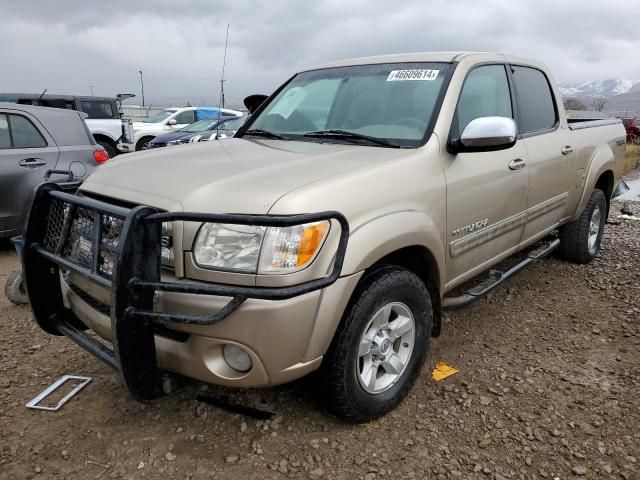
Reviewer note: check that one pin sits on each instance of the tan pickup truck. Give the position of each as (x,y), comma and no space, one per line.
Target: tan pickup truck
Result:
(360,200)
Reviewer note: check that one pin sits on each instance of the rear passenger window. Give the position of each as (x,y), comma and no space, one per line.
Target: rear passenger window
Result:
(485,93)
(24,133)
(5,138)
(536,108)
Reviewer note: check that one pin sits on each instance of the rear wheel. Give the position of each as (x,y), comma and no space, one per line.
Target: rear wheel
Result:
(580,240)
(378,351)
(110,149)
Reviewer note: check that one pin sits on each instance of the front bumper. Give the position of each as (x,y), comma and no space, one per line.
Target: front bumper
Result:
(128,266)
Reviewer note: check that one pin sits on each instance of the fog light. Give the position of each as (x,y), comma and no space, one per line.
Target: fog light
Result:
(237,357)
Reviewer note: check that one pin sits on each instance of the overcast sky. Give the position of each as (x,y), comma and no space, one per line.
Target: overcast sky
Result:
(67,45)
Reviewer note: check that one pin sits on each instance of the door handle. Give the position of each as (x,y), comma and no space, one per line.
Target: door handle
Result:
(32,162)
(517,164)
(566,150)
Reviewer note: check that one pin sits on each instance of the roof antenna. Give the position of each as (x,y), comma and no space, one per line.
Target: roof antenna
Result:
(41,95)
(222,80)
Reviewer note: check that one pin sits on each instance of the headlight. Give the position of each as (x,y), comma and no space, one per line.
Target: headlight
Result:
(228,247)
(251,249)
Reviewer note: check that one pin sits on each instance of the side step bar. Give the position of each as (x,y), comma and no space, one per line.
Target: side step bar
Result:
(496,277)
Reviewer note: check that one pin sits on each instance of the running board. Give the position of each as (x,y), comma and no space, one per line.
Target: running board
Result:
(496,277)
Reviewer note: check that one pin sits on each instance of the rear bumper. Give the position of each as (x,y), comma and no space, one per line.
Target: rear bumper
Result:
(274,325)
(126,147)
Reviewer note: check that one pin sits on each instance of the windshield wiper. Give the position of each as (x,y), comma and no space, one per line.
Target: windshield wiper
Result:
(265,133)
(347,135)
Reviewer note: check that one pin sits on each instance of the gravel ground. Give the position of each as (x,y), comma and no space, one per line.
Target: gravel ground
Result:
(548,387)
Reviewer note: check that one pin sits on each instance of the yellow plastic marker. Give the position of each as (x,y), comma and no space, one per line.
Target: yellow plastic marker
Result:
(442,371)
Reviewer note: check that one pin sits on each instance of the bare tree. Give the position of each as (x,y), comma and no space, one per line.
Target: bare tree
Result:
(573,104)
(599,103)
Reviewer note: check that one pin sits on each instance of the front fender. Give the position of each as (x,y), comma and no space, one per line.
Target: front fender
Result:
(602,161)
(380,236)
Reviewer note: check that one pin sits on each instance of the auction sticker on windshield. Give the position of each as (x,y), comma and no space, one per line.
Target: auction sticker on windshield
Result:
(402,75)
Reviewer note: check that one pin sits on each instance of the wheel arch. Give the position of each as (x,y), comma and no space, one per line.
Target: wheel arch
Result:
(601,174)
(408,239)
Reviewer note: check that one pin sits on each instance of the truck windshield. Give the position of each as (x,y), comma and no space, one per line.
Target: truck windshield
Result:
(160,116)
(382,104)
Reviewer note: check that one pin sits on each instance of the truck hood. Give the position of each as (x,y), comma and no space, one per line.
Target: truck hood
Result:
(235,176)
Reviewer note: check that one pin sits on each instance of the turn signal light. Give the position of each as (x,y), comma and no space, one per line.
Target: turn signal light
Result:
(311,239)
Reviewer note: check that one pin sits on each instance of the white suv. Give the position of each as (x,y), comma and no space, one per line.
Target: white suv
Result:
(171,119)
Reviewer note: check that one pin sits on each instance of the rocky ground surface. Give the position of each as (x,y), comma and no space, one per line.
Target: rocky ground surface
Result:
(548,387)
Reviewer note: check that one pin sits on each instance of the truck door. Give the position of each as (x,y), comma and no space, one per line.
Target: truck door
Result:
(486,191)
(551,159)
(27,151)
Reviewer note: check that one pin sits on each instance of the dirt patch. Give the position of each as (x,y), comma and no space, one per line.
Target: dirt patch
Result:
(548,386)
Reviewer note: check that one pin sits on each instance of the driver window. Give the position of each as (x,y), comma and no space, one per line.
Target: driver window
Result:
(185,117)
(485,93)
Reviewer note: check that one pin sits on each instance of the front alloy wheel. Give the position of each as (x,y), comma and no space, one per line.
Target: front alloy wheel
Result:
(379,348)
(385,347)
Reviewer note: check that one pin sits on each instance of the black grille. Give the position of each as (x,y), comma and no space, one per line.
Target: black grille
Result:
(83,231)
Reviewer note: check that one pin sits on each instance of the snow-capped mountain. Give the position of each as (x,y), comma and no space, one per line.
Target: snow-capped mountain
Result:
(598,88)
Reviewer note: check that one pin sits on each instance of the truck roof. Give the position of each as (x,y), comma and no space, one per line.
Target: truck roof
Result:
(454,56)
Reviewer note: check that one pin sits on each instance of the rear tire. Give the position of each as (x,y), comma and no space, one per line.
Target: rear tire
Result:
(14,288)
(580,240)
(378,350)
(111,151)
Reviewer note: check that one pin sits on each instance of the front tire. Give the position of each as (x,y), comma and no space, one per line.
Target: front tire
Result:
(142,143)
(580,240)
(380,346)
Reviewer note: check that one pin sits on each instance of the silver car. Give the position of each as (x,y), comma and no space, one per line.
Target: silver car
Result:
(38,144)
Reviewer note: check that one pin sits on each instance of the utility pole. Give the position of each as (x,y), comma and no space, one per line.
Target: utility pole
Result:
(142,85)
(224,64)
(91,88)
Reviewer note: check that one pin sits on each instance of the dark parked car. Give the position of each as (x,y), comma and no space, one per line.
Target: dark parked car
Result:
(226,129)
(184,135)
(36,144)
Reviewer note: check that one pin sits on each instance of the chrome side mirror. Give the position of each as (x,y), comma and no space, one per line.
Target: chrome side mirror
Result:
(487,134)
(172,122)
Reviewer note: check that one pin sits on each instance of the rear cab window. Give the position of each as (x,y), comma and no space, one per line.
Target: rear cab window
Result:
(98,109)
(537,111)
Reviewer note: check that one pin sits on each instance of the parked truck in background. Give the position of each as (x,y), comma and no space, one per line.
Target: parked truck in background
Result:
(103,117)
(358,202)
